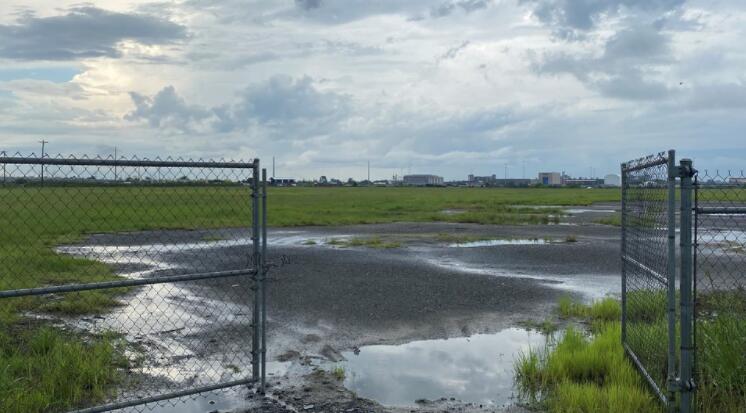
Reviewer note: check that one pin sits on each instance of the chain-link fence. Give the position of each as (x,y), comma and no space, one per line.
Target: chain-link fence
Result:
(720,292)
(648,210)
(138,280)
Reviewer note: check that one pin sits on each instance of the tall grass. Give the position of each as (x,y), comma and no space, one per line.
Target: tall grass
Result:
(556,375)
(583,374)
(44,370)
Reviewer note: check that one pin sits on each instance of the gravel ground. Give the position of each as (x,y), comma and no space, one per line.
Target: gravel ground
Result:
(325,299)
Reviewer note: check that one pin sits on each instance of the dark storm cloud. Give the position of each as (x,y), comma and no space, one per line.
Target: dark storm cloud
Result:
(83,32)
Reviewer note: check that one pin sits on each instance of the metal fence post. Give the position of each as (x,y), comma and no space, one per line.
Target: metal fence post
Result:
(255,193)
(263,283)
(685,375)
(624,253)
(671,275)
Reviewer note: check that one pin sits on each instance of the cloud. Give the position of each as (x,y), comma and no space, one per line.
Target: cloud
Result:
(723,96)
(280,102)
(454,51)
(84,32)
(626,68)
(567,17)
(308,4)
(448,7)
(166,109)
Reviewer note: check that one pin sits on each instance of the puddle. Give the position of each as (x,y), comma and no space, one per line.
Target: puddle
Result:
(475,369)
(588,210)
(593,286)
(496,242)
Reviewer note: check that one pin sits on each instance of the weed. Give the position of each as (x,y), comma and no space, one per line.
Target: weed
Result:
(614,219)
(571,238)
(339,373)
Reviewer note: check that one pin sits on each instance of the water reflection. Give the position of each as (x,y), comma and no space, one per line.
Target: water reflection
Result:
(495,242)
(473,369)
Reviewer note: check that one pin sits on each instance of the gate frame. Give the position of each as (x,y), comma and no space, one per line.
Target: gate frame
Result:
(257,272)
(679,382)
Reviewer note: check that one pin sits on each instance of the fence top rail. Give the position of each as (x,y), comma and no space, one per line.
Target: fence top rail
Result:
(645,162)
(20,160)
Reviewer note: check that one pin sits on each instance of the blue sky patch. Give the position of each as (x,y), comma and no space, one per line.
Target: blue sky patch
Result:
(52,74)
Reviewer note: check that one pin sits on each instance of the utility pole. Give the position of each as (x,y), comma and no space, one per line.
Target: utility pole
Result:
(506,171)
(273,167)
(523,169)
(368,171)
(115,165)
(43,143)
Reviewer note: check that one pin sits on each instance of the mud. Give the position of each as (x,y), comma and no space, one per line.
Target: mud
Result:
(327,301)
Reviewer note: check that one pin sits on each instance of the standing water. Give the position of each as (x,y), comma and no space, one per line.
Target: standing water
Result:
(475,369)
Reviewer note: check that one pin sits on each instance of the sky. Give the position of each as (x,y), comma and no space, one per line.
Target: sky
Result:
(450,87)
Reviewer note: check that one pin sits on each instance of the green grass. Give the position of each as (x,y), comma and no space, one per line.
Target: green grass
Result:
(44,370)
(372,242)
(580,372)
(337,206)
(603,310)
(721,340)
(614,219)
(338,372)
(583,374)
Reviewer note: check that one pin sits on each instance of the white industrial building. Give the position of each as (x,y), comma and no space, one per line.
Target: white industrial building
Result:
(612,180)
(423,180)
(550,178)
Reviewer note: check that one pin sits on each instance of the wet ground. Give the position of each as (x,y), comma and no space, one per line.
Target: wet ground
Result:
(428,323)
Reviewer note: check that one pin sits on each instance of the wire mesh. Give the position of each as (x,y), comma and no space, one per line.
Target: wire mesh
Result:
(645,253)
(183,229)
(720,292)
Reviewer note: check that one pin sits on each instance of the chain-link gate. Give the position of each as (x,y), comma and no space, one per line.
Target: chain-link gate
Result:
(688,342)
(720,292)
(648,267)
(154,266)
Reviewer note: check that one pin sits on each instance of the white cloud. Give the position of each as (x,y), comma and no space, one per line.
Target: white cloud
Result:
(445,86)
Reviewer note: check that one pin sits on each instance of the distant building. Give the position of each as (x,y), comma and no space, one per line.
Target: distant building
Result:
(282,182)
(612,180)
(481,180)
(583,182)
(737,181)
(512,182)
(423,180)
(550,178)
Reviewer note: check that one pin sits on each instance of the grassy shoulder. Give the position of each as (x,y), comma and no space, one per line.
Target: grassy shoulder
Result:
(582,372)
(46,370)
